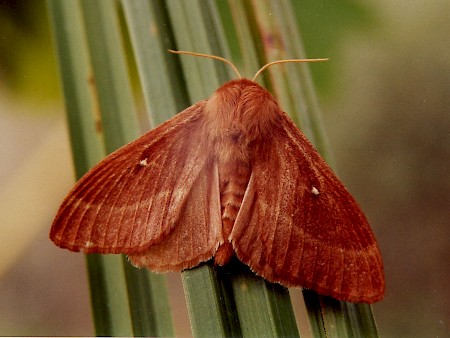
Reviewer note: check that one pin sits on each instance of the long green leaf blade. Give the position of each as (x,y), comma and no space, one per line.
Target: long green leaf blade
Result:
(108,297)
(264,309)
(119,119)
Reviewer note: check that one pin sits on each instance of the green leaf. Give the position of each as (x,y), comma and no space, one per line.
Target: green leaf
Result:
(159,72)
(126,301)
(265,309)
(108,288)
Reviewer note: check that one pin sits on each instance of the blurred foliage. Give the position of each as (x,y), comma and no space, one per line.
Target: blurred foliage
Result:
(27,61)
(323,27)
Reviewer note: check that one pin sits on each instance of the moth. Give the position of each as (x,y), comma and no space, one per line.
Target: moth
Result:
(228,176)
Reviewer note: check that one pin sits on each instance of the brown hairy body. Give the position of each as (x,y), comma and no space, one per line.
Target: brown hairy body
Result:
(238,125)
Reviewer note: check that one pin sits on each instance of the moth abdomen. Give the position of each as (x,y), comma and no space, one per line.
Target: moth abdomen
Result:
(233,178)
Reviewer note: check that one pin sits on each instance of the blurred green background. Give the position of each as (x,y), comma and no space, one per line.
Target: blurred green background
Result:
(386,108)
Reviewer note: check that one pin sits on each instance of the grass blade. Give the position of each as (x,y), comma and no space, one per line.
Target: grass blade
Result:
(111,277)
(108,297)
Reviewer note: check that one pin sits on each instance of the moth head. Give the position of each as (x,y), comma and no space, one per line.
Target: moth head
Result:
(241,107)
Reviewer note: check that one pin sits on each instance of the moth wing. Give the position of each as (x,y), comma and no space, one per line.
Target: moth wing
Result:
(134,197)
(299,226)
(198,233)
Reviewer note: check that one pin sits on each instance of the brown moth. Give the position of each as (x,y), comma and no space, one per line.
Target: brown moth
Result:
(230,175)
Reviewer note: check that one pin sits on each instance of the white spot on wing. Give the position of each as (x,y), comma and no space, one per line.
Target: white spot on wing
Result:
(315,191)
(143,163)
